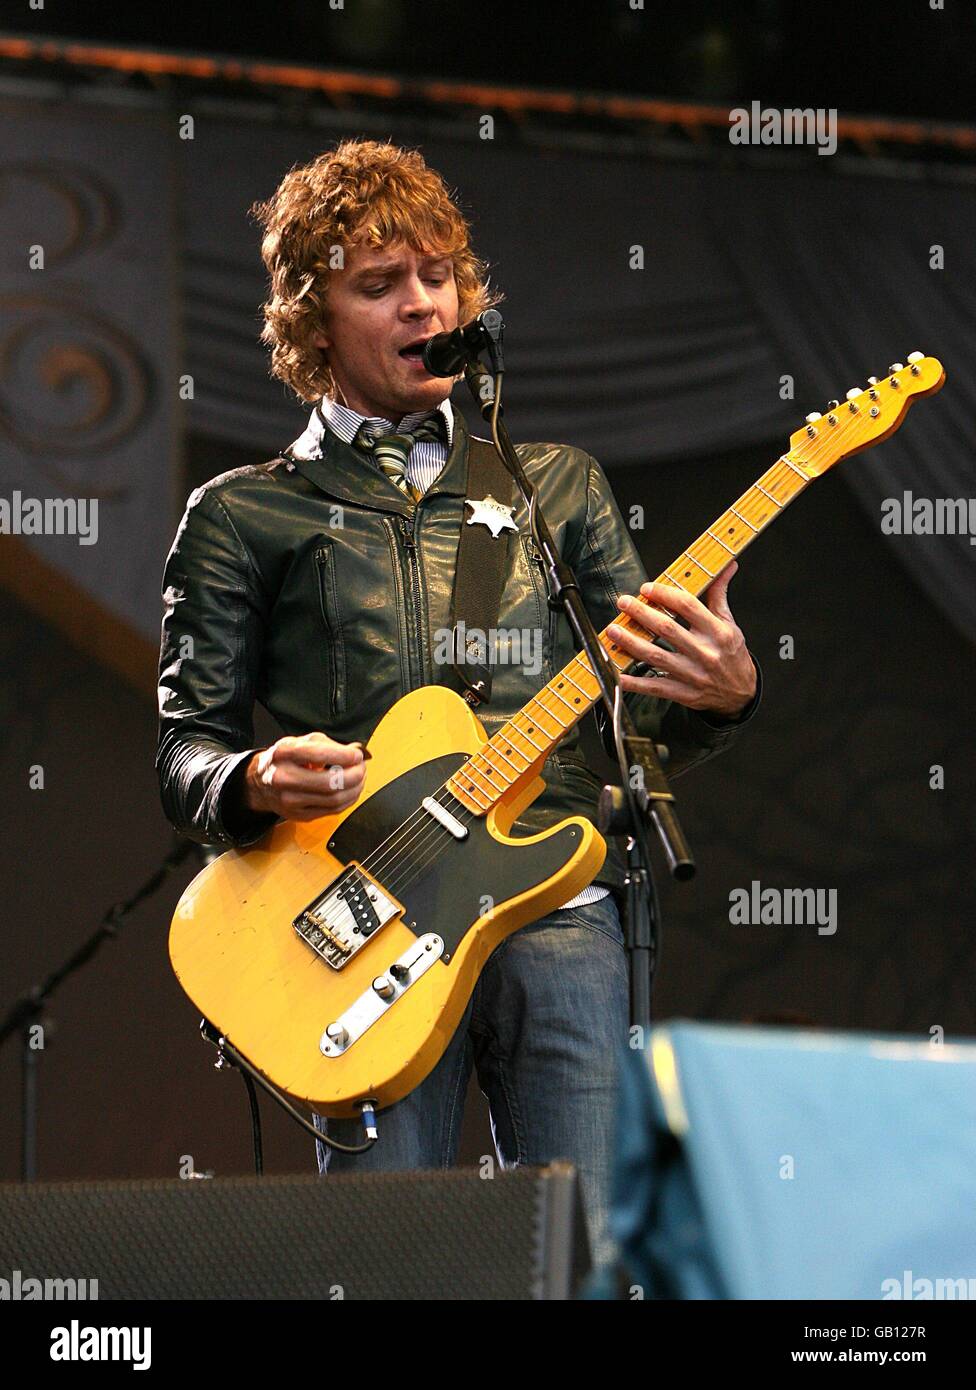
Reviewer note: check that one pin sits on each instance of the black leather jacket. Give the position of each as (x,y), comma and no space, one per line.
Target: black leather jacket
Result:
(316,588)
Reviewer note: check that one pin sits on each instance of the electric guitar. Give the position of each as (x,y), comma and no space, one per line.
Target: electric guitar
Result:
(339,954)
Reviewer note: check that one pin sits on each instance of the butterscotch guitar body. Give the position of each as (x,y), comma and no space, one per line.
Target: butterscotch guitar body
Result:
(376,921)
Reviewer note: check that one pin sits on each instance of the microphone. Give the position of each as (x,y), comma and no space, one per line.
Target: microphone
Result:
(445,354)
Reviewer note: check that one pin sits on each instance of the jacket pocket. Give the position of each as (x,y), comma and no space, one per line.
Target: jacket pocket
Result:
(325,566)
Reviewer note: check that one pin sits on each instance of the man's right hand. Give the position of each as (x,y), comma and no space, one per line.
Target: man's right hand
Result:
(302,778)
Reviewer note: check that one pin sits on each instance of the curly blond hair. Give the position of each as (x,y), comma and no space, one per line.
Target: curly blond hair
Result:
(364,192)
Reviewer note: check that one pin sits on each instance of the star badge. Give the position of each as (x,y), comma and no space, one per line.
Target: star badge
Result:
(495,515)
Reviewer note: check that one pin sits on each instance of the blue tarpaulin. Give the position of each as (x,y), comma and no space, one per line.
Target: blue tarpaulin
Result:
(772,1163)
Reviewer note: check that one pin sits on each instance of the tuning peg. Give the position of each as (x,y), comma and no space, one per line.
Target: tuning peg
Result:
(896,367)
(872,381)
(916,356)
(832,405)
(853,392)
(813,417)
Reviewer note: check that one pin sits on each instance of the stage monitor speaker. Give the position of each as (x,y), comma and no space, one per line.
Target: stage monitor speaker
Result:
(774,1163)
(418,1235)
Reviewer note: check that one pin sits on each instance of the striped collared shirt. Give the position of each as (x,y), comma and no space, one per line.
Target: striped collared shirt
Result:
(427,458)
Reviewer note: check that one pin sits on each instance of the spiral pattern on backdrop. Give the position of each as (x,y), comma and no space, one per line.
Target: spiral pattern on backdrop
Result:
(71,382)
(77,209)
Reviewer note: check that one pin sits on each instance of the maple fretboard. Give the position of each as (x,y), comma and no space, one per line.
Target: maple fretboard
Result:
(529,736)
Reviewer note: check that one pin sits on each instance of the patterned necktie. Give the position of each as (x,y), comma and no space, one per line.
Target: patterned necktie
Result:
(391,451)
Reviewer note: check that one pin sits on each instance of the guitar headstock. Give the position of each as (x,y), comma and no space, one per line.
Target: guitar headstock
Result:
(864,417)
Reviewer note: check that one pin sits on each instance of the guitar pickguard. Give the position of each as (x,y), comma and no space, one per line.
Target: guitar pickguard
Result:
(443,883)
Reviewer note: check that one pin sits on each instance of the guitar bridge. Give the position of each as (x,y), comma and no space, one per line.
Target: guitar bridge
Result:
(340,921)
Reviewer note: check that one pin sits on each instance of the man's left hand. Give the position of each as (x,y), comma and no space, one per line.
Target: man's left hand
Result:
(710,668)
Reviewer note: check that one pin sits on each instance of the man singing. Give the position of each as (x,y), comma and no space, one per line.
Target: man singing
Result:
(316,584)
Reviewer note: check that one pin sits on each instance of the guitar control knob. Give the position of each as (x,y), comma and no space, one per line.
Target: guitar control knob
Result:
(400,973)
(384,987)
(916,356)
(337,1034)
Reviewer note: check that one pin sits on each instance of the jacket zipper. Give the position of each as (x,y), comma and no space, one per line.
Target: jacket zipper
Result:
(415,588)
(402,617)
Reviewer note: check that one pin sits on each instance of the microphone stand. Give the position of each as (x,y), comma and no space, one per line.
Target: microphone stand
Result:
(623,811)
(28,1012)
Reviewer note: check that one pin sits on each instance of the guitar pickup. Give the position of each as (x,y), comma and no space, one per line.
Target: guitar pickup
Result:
(341,920)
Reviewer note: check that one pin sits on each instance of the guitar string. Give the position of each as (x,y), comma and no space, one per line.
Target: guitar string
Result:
(406,825)
(435,837)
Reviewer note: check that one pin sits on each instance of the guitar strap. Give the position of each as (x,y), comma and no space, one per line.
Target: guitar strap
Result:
(482,563)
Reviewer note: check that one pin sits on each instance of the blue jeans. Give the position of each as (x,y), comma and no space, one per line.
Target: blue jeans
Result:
(544,1030)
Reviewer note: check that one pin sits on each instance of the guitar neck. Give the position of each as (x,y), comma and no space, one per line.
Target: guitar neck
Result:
(528,738)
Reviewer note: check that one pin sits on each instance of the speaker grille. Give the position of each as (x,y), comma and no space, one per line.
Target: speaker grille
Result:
(441,1235)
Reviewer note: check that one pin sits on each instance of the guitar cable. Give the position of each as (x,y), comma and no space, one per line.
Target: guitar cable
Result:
(228,1054)
(252,1100)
